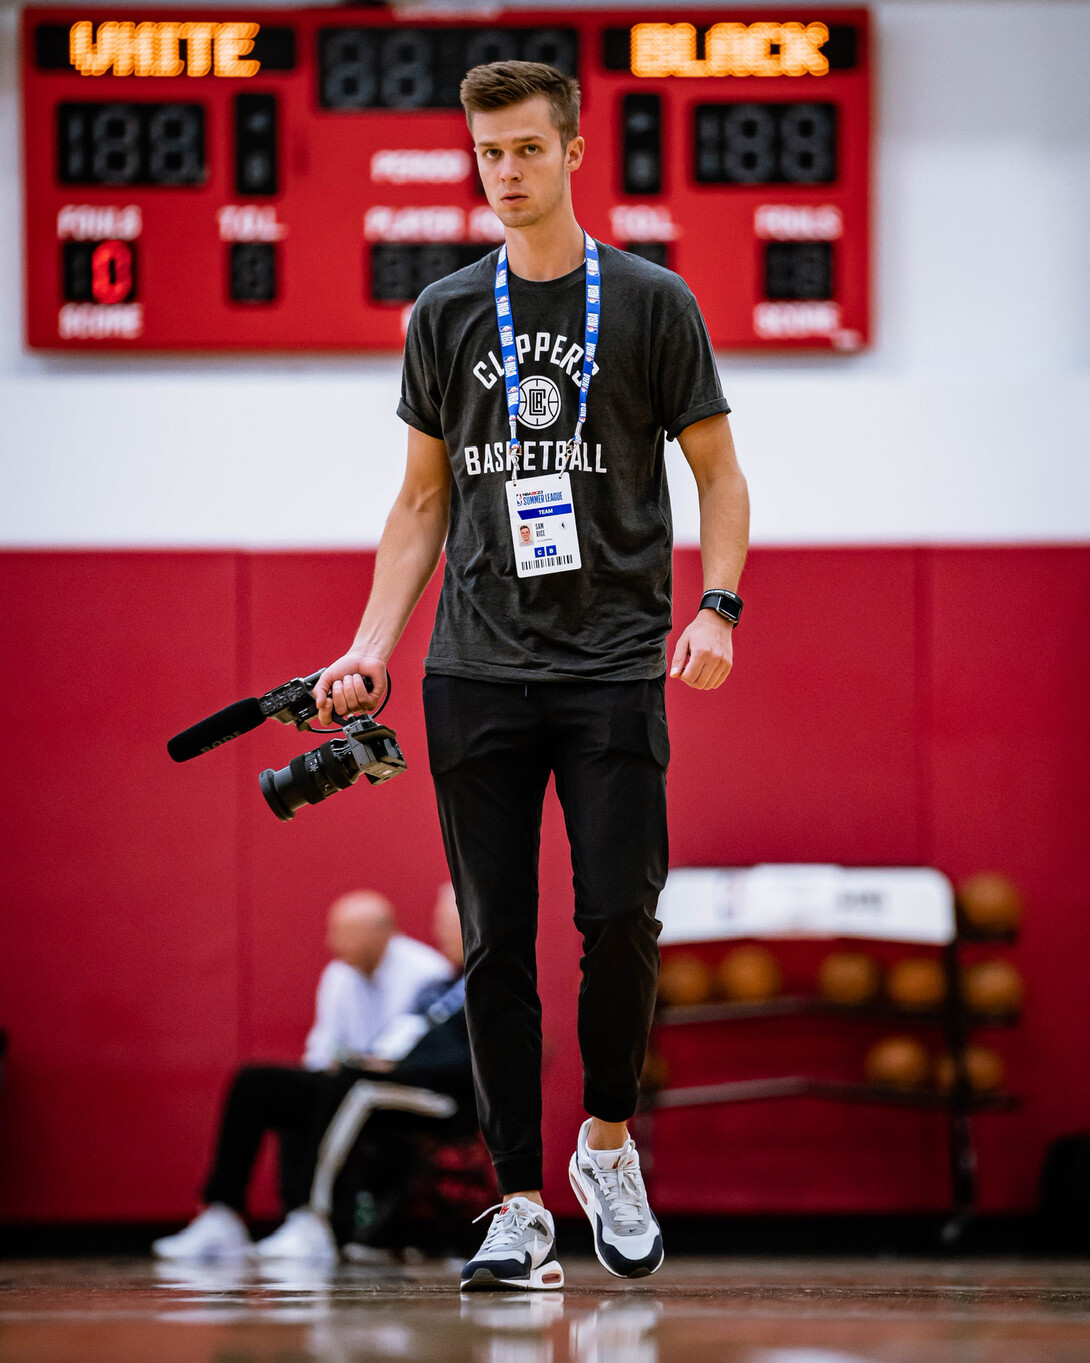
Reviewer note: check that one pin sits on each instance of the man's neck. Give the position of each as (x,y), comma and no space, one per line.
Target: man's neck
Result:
(547,250)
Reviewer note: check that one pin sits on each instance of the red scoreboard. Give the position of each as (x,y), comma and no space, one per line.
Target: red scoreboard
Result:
(291,179)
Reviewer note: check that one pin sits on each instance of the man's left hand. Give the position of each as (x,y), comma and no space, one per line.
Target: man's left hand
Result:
(705,652)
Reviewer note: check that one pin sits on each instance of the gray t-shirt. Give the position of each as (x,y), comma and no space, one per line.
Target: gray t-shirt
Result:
(654,374)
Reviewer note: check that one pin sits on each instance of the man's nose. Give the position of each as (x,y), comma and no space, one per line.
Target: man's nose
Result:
(510,169)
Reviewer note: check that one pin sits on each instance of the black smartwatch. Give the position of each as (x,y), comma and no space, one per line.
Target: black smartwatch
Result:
(724,603)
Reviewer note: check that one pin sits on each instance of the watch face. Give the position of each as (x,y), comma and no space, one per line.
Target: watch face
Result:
(725,604)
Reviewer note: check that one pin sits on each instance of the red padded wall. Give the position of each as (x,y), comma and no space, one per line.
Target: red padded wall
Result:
(888,707)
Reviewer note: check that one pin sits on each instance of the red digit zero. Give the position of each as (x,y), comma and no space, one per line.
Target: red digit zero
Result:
(111,272)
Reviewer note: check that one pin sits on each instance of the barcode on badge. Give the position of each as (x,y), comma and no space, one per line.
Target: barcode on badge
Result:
(535,565)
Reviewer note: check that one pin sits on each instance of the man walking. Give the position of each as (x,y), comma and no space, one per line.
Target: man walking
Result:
(538,387)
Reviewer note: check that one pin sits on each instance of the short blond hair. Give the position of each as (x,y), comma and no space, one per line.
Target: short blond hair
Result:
(498,85)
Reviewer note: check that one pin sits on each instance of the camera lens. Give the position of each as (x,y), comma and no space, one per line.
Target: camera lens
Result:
(272,783)
(309,778)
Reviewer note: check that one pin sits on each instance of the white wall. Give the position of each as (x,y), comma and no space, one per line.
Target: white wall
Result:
(965,422)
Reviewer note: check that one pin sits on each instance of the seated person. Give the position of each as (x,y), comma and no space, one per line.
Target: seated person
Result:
(426,1048)
(375,977)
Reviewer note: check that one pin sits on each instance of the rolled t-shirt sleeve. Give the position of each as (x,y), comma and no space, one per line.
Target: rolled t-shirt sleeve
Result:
(421,399)
(684,380)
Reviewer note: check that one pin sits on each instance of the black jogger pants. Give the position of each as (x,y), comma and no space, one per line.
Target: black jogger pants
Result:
(492,747)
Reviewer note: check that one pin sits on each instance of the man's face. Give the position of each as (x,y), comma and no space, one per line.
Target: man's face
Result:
(524,533)
(523,166)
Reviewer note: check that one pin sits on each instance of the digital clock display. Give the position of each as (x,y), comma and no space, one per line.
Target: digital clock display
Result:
(400,68)
(292,180)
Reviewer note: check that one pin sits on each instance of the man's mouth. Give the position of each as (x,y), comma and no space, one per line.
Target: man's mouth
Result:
(512,198)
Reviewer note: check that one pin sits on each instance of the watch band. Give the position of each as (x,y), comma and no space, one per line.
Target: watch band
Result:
(724,603)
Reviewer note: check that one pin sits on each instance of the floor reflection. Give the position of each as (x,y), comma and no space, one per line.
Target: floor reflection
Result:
(694,1311)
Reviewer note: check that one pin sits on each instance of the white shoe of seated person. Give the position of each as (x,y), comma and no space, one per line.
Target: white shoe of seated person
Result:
(304,1236)
(217,1233)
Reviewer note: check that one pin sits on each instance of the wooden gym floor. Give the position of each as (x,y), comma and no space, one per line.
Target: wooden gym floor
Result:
(692,1311)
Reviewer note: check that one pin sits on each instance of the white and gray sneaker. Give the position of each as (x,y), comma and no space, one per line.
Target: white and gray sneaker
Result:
(609,1186)
(519,1251)
(217,1233)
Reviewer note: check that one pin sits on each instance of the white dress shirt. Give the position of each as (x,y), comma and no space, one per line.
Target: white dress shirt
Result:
(353,1008)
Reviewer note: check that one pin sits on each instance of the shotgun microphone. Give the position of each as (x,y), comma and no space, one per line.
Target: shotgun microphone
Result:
(221,727)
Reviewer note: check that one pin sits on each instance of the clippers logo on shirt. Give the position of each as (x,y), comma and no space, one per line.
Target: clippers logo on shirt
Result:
(539,401)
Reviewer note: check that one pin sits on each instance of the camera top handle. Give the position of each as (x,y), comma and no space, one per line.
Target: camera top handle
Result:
(293,703)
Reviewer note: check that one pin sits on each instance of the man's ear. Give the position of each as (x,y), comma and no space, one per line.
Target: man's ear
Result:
(573,157)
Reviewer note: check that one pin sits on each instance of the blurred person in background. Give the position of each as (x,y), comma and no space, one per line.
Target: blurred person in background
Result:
(376,975)
(425,1048)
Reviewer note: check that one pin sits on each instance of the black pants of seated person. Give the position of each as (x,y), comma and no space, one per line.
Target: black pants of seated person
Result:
(299,1104)
(292,1102)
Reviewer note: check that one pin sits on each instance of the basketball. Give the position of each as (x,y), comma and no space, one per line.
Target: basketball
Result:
(990,902)
(916,982)
(749,974)
(849,977)
(984,1067)
(684,980)
(898,1062)
(993,986)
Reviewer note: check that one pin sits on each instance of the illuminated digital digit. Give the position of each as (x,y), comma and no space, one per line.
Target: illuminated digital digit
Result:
(111,272)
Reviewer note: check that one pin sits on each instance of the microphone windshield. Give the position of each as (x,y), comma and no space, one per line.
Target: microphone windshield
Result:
(226,724)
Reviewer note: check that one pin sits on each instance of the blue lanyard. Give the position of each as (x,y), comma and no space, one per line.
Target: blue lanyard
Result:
(510,352)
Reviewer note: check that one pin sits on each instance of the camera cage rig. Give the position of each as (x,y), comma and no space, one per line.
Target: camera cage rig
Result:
(360,746)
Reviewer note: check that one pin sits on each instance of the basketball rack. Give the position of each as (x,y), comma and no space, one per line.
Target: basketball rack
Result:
(909,905)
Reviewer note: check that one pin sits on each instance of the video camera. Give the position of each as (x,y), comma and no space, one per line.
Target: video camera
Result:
(363,747)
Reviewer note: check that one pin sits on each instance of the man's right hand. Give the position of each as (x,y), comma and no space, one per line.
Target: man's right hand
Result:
(342,686)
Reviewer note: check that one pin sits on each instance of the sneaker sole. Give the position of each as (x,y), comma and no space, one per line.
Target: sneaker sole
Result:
(583,1196)
(547,1278)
